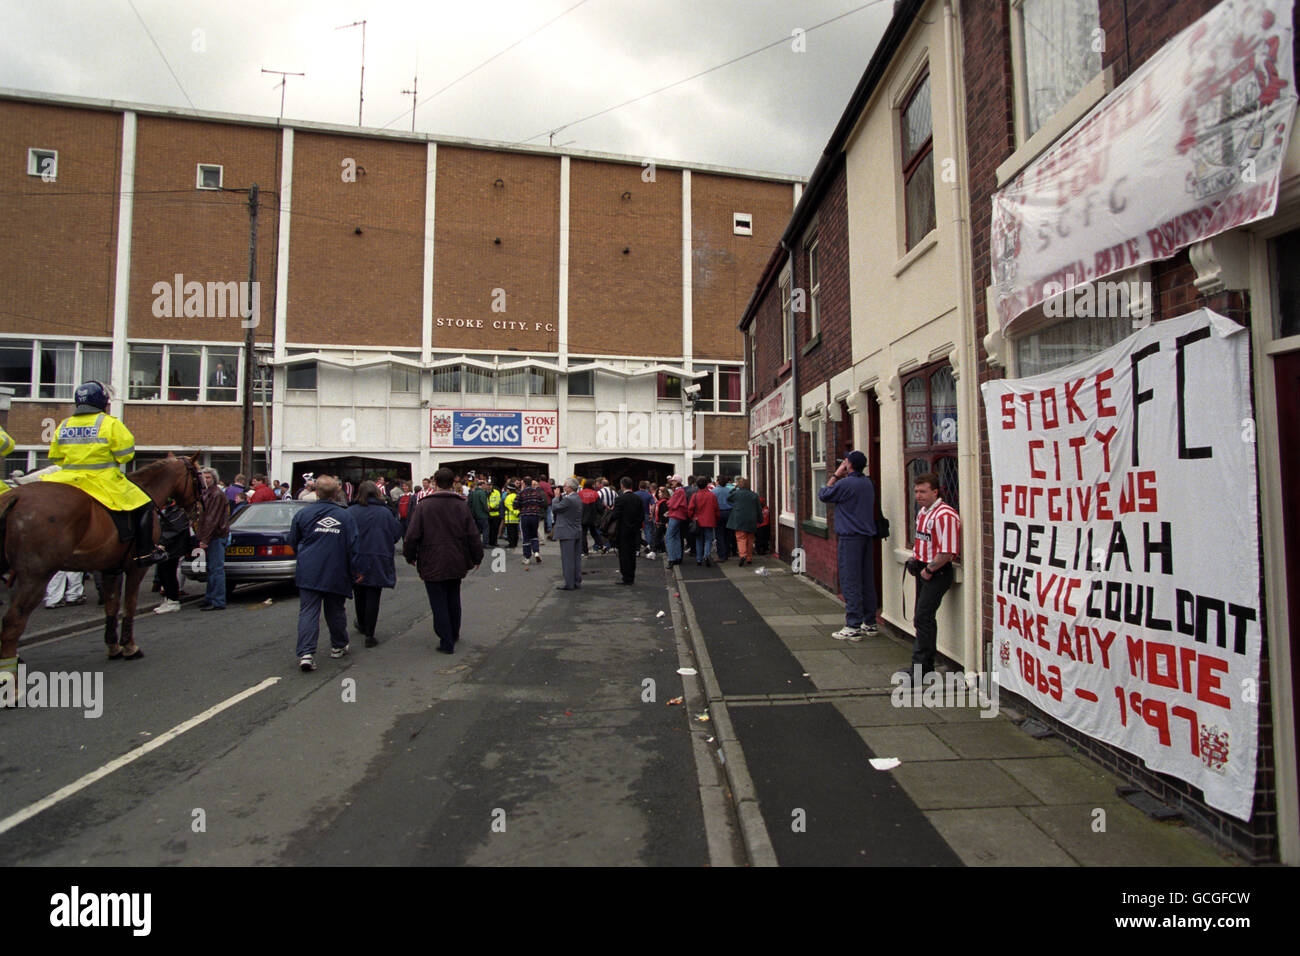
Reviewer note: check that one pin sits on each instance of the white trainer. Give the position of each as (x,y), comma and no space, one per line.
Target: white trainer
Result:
(847,633)
(167,606)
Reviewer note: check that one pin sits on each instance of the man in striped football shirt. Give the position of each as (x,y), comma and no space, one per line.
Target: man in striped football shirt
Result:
(937,543)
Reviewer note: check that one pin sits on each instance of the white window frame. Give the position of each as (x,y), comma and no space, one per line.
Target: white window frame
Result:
(742,224)
(787,318)
(198,176)
(34,156)
(789,463)
(814,289)
(817,467)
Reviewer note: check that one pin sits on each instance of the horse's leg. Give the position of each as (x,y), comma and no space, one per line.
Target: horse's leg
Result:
(112,600)
(24,597)
(133,576)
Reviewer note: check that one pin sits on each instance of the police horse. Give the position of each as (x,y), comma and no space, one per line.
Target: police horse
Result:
(49,526)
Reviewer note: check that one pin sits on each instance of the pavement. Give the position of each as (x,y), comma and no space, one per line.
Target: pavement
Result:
(800,716)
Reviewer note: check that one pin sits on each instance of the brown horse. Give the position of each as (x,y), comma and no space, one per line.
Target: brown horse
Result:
(48,526)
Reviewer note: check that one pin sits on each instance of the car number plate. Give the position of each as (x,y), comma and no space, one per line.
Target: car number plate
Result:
(240,549)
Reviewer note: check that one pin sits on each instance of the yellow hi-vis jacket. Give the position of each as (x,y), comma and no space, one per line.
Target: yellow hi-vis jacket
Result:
(512,513)
(90,447)
(6,446)
(494,503)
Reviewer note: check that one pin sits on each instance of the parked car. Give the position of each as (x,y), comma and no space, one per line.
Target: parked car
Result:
(259,548)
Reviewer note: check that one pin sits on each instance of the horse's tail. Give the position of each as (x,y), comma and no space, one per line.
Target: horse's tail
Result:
(7,501)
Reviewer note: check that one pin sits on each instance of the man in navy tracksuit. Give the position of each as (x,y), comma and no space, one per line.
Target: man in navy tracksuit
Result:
(324,537)
(854,498)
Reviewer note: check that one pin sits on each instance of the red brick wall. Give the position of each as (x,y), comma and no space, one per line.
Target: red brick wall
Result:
(342,286)
(833,354)
(991,140)
(69,226)
(200,234)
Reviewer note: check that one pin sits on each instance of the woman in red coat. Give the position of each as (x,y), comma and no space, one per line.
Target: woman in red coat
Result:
(704,510)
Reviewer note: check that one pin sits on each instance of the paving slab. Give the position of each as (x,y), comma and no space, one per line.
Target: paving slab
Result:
(1130,838)
(830,670)
(909,742)
(1000,836)
(878,651)
(994,739)
(879,711)
(950,785)
(1063,780)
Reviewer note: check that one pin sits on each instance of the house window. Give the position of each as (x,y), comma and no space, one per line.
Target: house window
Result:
(513,382)
(541,381)
(447,379)
(43,163)
(918,163)
(58,368)
(787,319)
(787,495)
(583,383)
(817,460)
(96,364)
(16,367)
(669,386)
(742,224)
(403,379)
(208,177)
(1286,279)
(223,375)
(1067,342)
(1060,52)
(301,377)
(183,372)
(814,290)
(144,374)
(930,432)
(479,381)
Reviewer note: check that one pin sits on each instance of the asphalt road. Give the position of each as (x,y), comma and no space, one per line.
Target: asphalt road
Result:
(535,744)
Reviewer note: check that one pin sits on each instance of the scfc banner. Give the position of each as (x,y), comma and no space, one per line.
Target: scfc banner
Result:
(1126,550)
(1189,146)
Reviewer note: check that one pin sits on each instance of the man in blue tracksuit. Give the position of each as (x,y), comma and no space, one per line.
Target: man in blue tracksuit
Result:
(324,537)
(854,497)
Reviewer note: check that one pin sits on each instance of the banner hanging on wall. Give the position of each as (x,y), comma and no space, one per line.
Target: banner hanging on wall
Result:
(1126,551)
(1189,146)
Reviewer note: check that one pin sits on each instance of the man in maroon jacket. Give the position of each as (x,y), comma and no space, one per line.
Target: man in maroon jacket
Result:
(443,543)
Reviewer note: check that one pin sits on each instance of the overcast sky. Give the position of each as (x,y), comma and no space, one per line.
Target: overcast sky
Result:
(772,111)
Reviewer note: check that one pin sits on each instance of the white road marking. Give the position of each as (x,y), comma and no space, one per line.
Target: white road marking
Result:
(25,814)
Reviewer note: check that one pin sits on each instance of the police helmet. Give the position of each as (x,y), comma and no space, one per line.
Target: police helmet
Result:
(93,394)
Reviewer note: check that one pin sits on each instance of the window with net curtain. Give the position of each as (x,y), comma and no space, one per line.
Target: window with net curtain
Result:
(1067,342)
(1059,54)
(918,162)
(58,370)
(930,433)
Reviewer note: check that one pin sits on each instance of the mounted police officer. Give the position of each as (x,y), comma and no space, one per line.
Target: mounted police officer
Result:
(6,446)
(91,445)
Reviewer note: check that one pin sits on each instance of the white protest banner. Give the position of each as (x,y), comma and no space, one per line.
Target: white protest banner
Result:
(1126,550)
(1189,146)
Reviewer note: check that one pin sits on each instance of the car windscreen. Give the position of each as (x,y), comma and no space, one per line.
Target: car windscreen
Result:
(272,516)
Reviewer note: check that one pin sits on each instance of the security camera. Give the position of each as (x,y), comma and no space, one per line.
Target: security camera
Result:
(692,390)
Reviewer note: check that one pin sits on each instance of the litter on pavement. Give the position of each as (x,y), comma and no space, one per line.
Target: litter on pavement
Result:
(885,763)
(691,671)
(675,700)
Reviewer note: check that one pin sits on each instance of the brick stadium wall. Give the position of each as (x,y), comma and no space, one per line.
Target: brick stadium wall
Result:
(200,234)
(624,304)
(722,431)
(72,222)
(468,265)
(349,289)
(724,265)
(990,140)
(190,427)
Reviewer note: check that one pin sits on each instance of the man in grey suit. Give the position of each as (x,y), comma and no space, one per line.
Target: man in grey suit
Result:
(568,532)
